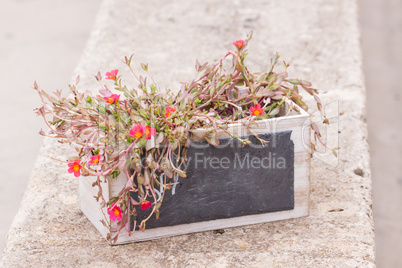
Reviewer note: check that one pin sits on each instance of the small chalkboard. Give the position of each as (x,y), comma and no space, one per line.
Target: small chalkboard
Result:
(229,180)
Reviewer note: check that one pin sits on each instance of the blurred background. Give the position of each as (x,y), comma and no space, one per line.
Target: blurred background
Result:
(40,40)
(43,40)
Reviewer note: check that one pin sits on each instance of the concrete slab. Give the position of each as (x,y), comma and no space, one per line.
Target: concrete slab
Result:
(381,45)
(322,38)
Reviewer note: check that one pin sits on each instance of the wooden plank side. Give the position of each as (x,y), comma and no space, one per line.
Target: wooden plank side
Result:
(117,184)
(299,211)
(88,204)
(259,127)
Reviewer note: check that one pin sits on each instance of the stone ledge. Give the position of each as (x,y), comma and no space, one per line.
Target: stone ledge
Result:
(323,39)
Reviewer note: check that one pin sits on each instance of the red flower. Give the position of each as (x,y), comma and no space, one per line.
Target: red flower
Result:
(94,159)
(256,110)
(112,74)
(114,212)
(146,205)
(137,131)
(169,110)
(75,167)
(148,132)
(238,43)
(112,98)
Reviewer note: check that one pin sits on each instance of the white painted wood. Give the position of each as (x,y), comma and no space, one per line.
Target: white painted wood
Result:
(88,204)
(298,123)
(298,211)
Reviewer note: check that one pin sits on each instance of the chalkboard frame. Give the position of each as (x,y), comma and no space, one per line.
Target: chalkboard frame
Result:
(226,181)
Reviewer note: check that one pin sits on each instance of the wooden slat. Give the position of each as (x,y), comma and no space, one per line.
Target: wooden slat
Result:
(299,211)
(88,203)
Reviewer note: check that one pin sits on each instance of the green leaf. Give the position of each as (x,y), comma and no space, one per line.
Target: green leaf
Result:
(147,176)
(212,91)
(294,81)
(167,167)
(138,166)
(115,173)
(142,142)
(150,144)
(160,138)
(277,97)
(112,200)
(144,67)
(274,111)
(181,173)
(102,126)
(275,86)
(168,173)
(315,128)
(150,162)
(212,140)
(199,133)
(153,88)
(102,109)
(265,93)
(174,145)
(223,126)
(240,83)
(274,59)
(140,179)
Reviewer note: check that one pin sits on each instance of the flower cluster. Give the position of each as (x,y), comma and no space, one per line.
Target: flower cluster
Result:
(75,167)
(169,110)
(112,75)
(114,212)
(140,131)
(113,98)
(256,110)
(137,132)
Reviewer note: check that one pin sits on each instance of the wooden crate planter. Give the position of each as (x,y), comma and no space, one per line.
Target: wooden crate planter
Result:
(227,186)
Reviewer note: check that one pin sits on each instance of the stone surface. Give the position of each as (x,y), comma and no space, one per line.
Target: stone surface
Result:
(381,22)
(320,37)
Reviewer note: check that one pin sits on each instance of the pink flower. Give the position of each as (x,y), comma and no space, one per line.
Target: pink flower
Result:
(112,98)
(137,131)
(114,212)
(112,74)
(256,110)
(169,110)
(146,205)
(94,159)
(238,43)
(148,132)
(75,167)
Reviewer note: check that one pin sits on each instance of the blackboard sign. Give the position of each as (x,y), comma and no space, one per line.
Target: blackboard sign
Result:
(229,180)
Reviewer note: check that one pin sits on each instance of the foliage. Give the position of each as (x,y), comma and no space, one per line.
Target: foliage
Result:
(144,131)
